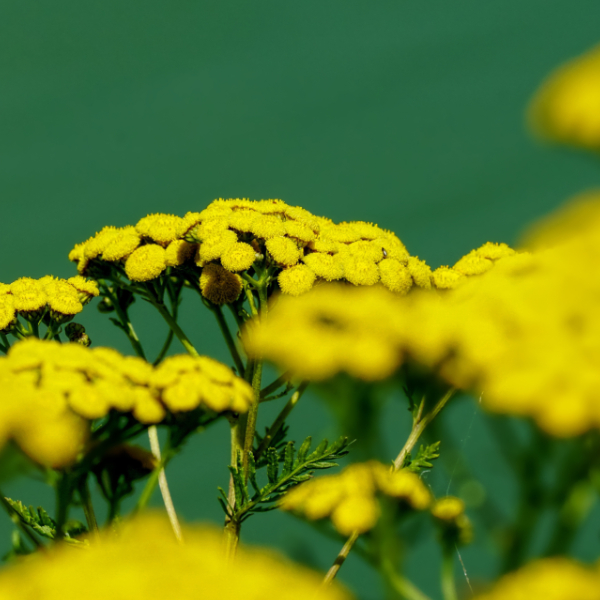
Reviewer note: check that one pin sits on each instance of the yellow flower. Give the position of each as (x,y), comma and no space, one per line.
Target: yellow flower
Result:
(62,297)
(238,257)
(283,250)
(178,252)
(447,278)
(555,578)
(186,382)
(28,294)
(327,266)
(473,264)
(122,244)
(146,263)
(566,108)
(268,226)
(7,311)
(448,508)
(333,328)
(360,271)
(87,289)
(420,272)
(395,276)
(218,285)
(299,231)
(144,561)
(95,245)
(214,247)
(351,497)
(160,228)
(296,280)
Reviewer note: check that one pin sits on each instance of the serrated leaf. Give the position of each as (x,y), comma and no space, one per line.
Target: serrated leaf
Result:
(304,449)
(252,471)
(319,450)
(288,460)
(323,465)
(272,465)
(301,478)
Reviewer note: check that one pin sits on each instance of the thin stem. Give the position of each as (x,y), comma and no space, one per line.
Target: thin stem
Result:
(239,365)
(88,508)
(14,517)
(251,300)
(405,588)
(272,387)
(174,327)
(165,348)
(448,583)
(340,558)
(148,490)
(63,499)
(280,419)
(252,414)
(419,426)
(162,483)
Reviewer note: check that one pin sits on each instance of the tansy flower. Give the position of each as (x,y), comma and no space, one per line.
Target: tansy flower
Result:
(7,311)
(556,578)
(238,257)
(296,280)
(567,106)
(28,294)
(283,250)
(146,263)
(329,267)
(218,285)
(350,499)
(333,328)
(178,252)
(142,560)
(159,227)
(86,288)
(124,241)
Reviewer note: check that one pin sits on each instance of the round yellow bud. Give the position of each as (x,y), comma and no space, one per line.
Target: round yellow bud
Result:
(329,267)
(445,278)
(238,257)
(395,276)
(146,263)
(296,280)
(360,271)
(122,244)
(283,250)
(420,271)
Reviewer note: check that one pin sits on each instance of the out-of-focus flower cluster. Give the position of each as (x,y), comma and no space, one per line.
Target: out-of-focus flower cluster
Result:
(359,331)
(566,108)
(60,298)
(552,579)
(526,334)
(351,498)
(230,235)
(144,561)
(51,388)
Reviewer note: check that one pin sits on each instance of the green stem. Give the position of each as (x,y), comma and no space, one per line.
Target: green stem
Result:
(232,527)
(14,517)
(340,558)
(405,588)
(63,499)
(281,380)
(239,365)
(88,508)
(162,483)
(252,414)
(148,490)
(280,419)
(165,348)
(174,327)
(419,426)
(448,583)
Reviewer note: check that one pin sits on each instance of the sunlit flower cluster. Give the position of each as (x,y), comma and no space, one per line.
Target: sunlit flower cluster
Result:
(552,579)
(566,109)
(144,561)
(350,499)
(61,298)
(92,382)
(303,249)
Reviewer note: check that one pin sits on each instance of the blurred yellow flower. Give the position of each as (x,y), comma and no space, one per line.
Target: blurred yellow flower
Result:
(219,285)
(143,561)
(550,578)
(350,498)
(566,108)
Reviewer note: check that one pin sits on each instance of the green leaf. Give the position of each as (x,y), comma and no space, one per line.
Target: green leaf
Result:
(288,461)
(423,459)
(272,465)
(319,450)
(303,451)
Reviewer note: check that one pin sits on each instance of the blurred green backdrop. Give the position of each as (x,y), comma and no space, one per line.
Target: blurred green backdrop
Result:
(408,114)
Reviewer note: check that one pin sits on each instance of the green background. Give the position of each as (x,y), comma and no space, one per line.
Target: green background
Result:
(407,114)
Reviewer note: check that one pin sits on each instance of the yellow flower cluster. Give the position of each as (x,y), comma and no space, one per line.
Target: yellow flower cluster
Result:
(143,561)
(61,297)
(333,328)
(566,108)
(235,233)
(350,498)
(449,512)
(550,579)
(92,382)
(527,334)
